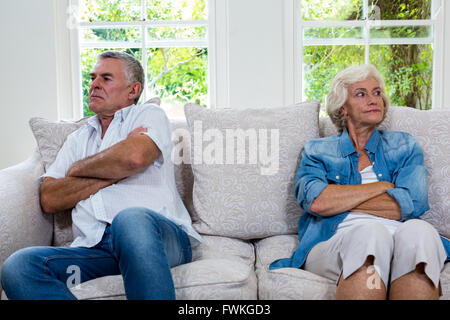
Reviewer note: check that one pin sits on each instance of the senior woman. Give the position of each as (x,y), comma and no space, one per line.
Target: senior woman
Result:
(363,191)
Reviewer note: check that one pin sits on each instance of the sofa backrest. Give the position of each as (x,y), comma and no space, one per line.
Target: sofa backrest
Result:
(430,128)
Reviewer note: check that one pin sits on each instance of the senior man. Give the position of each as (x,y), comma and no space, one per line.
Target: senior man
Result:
(116,175)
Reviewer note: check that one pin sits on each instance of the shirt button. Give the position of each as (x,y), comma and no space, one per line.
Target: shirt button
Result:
(380,175)
(337,177)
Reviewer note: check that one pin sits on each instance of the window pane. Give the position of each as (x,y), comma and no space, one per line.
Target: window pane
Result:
(407,71)
(110,10)
(332,33)
(331,9)
(402,32)
(88,61)
(177,76)
(399,9)
(176,10)
(110,34)
(177,33)
(322,63)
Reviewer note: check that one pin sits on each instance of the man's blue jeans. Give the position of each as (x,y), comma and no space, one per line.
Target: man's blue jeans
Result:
(139,244)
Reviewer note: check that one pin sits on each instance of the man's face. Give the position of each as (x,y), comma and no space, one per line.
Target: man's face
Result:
(109,90)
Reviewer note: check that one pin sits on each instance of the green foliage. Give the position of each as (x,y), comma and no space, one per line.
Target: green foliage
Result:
(176,74)
(407,69)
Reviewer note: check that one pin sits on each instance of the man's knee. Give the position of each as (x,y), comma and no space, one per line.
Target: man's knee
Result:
(18,265)
(135,224)
(132,218)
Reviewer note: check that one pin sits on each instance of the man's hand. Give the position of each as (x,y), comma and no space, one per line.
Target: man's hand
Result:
(87,176)
(119,161)
(65,193)
(138,131)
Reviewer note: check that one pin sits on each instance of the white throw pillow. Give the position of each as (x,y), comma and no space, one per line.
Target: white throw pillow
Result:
(431,128)
(246,190)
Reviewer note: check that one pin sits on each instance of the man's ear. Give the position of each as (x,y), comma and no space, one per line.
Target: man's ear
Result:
(135,90)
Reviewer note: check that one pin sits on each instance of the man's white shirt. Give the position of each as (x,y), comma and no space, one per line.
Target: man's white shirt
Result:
(154,188)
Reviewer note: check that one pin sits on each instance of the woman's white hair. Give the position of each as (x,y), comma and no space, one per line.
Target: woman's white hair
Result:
(338,94)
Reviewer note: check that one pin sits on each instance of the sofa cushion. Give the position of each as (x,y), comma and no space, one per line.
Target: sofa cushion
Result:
(184,178)
(245,189)
(431,129)
(287,283)
(51,135)
(298,284)
(227,273)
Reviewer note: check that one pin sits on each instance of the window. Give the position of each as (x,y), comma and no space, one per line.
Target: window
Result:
(169,37)
(401,38)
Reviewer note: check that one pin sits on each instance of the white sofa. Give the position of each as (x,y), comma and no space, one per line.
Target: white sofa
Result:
(245,211)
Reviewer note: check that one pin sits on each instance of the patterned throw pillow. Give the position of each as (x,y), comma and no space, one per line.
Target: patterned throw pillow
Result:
(431,128)
(244,163)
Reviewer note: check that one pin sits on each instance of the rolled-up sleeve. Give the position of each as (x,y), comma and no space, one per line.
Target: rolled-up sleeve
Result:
(411,189)
(310,179)
(158,129)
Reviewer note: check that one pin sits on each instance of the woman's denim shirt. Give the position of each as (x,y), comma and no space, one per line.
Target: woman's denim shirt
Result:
(396,157)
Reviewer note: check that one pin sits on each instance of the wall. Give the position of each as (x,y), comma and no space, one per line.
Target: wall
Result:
(247,53)
(27,77)
(255,53)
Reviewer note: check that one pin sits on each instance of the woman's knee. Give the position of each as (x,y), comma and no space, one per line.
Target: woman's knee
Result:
(415,230)
(368,248)
(416,234)
(370,234)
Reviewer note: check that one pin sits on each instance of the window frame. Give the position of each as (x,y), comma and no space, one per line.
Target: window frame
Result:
(436,40)
(78,44)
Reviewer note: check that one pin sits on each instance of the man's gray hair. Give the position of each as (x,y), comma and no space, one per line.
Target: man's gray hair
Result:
(337,96)
(133,68)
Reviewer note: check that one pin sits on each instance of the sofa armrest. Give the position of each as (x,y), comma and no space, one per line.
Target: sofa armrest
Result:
(22,222)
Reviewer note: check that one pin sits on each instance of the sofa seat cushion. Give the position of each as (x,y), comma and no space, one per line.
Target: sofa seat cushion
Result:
(222,268)
(298,284)
(445,282)
(287,283)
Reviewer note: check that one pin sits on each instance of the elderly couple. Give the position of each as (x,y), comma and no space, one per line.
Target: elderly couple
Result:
(362,190)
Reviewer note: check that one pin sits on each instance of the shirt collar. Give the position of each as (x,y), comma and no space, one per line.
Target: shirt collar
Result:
(121,115)
(347,147)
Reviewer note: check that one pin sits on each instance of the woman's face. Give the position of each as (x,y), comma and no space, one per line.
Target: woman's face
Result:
(364,106)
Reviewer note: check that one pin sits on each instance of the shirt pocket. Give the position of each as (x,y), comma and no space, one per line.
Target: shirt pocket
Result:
(335,177)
